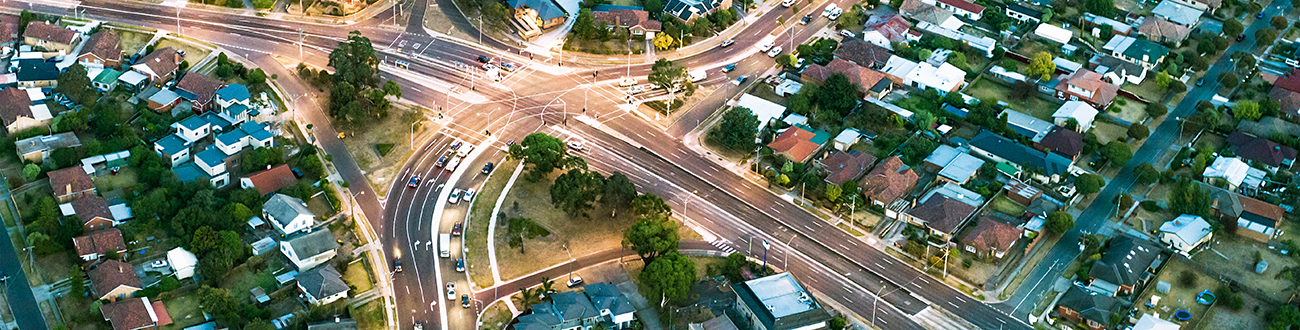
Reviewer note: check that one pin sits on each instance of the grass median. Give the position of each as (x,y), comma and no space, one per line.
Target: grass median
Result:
(480,270)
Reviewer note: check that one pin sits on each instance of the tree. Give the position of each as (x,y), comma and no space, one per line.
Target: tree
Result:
(256,77)
(837,94)
(1146,174)
(651,206)
(663,41)
(356,94)
(75,83)
(733,267)
(1278,22)
(1058,222)
(574,191)
(654,7)
(1286,317)
(1041,64)
(738,129)
(669,277)
(1117,152)
(1188,197)
(1232,27)
(652,237)
(543,152)
(916,150)
(1137,131)
(666,74)
(219,303)
(30,172)
(1103,8)
(833,193)
(527,298)
(259,324)
(1156,109)
(1265,37)
(1089,183)
(618,192)
(1246,110)
(785,61)
(1163,80)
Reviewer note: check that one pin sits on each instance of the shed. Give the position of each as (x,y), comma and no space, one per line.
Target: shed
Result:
(765,110)
(1054,33)
(183,262)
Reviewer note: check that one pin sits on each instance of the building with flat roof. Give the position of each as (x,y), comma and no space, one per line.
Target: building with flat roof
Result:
(778,302)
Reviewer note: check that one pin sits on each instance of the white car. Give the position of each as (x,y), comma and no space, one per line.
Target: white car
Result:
(451,291)
(765,46)
(829,9)
(573,281)
(469,195)
(847,33)
(575,145)
(627,81)
(787,3)
(451,165)
(464,151)
(774,52)
(159,263)
(455,196)
(835,14)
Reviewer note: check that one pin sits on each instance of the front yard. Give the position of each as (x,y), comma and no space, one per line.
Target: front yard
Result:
(1128,110)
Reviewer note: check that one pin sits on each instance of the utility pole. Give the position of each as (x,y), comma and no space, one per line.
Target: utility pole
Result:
(765,247)
(178,20)
(300,41)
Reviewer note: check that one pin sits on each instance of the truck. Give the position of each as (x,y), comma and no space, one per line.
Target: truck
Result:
(444,245)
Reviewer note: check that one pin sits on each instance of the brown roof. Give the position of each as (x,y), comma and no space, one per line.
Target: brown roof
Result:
(159,309)
(14,103)
(862,53)
(89,207)
(893,27)
(942,213)
(128,314)
(1288,101)
(1260,149)
(70,180)
(99,242)
(1212,3)
(104,44)
(161,61)
(1102,92)
(49,32)
(796,142)
(845,166)
(202,87)
(8,27)
(627,18)
(990,234)
(1157,28)
(921,11)
(1063,142)
(1289,82)
(865,78)
(111,274)
(888,181)
(1261,208)
(964,5)
(272,180)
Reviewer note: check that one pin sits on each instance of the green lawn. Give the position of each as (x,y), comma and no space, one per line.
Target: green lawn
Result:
(370,316)
(184,311)
(1007,206)
(480,217)
(1038,105)
(850,229)
(1129,110)
(358,276)
(383,148)
(7,214)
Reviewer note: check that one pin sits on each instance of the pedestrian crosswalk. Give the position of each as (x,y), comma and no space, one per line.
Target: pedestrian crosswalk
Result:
(723,246)
(931,318)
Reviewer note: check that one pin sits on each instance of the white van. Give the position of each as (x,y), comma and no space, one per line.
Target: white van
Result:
(465,150)
(698,75)
(829,9)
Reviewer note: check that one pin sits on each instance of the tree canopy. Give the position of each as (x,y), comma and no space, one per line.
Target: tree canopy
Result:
(652,237)
(651,206)
(356,93)
(1041,65)
(737,130)
(1146,174)
(1089,183)
(75,83)
(575,190)
(1117,152)
(544,153)
(666,74)
(618,192)
(1058,222)
(838,94)
(1188,197)
(669,277)
(1103,8)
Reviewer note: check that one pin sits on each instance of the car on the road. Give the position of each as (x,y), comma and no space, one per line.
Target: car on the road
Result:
(729,67)
(455,196)
(484,59)
(487,168)
(460,265)
(507,66)
(787,3)
(774,52)
(829,9)
(456,145)
(1200,82)
(489,66)
(1241,37)
(835,14)
(575,281)
(464,151)
(1259,15)
(451,291)
(456,229)
(728,42)
(739,80)
(510,143)
(441,161)
(469,195)
(464,301)
(575,145)
(397,264)
(847,34)
(451,165)
(160,263)
(765,46)
(805,19)
(415,182)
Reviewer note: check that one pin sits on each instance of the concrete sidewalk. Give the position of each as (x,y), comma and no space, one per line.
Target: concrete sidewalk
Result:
(492,226)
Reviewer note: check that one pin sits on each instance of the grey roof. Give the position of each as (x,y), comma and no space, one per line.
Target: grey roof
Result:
(1126,261)
(573,306)
(605,296)
(172,144)
(284,208)
(37,70)
(1107,64)
(1027,125)
(193,123)
(1090,305)
(1025,10)
(1177,12)
(234,92)
(722,322)
(313,243)
(1021,155)
(47,142)
(780,303)
(322,282)
(546,9)
(682,8)
(189,172)
(211,157)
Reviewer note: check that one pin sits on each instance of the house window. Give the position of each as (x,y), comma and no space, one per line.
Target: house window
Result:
(970,248)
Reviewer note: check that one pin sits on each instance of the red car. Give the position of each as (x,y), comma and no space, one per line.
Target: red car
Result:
(455,229)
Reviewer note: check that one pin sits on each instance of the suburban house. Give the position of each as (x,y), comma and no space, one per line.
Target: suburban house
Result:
(248,135)
(1235,173)
(288,214)
(1177,12)
(199,89)
(1118,71)
(1202,5)
(1128,263)
(944,209)
(871,83)
(36,73)
(1054,33)
(952,164)
(1082,306)
(689,10)
(18,114)
(614,308)
(235,103)
(887,29)
(799,143)
(270,180)
(1255,219)
(1062,142)
(1161,30)
(1045,167)
(926,11)
(37,149)
(962,8)
(183,262)
(1262,151)
(308,250)
(1152,322)
(173,148)
(1026,125)
(1286,91)
(990,238)
(847,138)
(93,212)
(133,80)
(192,128)
(778,302)
(888,182)
(106,80)
(1184,233)
(1024,14)
(94,245)
(1094,24)
(212,163)
(160,65)
(863,53)
(1146,53)
(1087,86)
(765,110)
(136,314)
(1080,111)
(101,50)
(322,285)
(70,183)
(842,166)
(944,77)
(1021,192)
(113,280)
(164,100)
(633,18)
(566,310)
(52,37)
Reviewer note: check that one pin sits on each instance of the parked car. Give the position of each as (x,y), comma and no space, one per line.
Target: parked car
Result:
(765,46)
(469,195)
(729,67)
(451,291)
(160,263)
(455,196)
(575,145)
(415,182)
(484,59)
(829,9)
(575,281)
(455,145)
(835,14)
(489,66)
(1259,15)
(848,34)
(1241,37)
(787,3)
(456,229)
(774,52)
(805,19)
(1200,82)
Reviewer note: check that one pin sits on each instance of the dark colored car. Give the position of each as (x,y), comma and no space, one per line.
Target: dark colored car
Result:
(729,67)
(441,160)
(455,229)
(397,264)
(487,168)
(484,59)
(456,146)
(510,143)
(1241,37)
(805,19)
(1200,82)
(460,265)
(464,301)
(415,182)
(297,172)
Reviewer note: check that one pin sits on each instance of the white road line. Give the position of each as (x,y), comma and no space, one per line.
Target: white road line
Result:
(953,305)
(878,265)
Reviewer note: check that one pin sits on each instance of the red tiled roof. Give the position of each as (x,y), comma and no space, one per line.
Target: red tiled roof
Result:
(99,242)
(111,274)
(103,44)
(1063,142)
(862,53)
(845,166)
(990,234)
(160,310)
(1288,101)
(49,32)
(1160,28)
(128,314)
(964,5)
(888,181)
(1102,91)
(626,18)
(893,27)
(942,213)
(70,180)
(8,27)
(1261,208)
(796,143)
(272,180)
(14,103)
(1289,82)
(865,78)
(161,61)
(203,87)
(89,207)
(1260,149)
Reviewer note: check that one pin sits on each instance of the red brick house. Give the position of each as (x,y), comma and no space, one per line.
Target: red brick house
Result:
(990,238)
(888,182)
(199,89)
(1085,85)
(95,245)
(101,50)
(841,167)
(93,212)
(70,183)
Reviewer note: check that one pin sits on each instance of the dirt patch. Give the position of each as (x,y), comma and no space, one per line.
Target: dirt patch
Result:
(193,53)
(1107,132)
(1131,110)
(394,129)
(1179,297)
(1250,317)
(132,42)
(54,267)
(1232,257)
(495,316)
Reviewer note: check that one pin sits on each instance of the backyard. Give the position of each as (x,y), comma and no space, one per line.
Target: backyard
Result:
(1037,105)
(1108,131)
(1232,257)
(132,42)
(193,53)
(1180,296)
(358,276)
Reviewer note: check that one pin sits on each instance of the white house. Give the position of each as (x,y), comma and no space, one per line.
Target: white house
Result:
(248,135)
(1029,126)
(288,214)
(233,102)
(1184,233)
(173,148)
(765,110)
(1235,172)
(322,286)
(309,250)
(182,262)
(1080,111)
(193,128)
(213,163)
(1054,33)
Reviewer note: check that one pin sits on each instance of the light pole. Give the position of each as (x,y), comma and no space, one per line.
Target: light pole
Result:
(178,20)
(413,134)
(354,201)
(785,264)
(300,41)
(875,302)
(566,251)
(765,247)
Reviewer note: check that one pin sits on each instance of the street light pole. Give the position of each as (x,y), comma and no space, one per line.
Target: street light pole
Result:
(875,302)
(566,251)
(413,134)
(765,247)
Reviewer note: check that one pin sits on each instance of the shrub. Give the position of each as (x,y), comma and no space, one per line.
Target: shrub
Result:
(1187,279)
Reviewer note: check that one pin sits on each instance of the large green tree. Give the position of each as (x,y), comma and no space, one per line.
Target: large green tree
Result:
(1089,183)
(838,94)
(651,206)
(1058,222)
(652,237)
(1103,8)
(75,83)
(666,74)
(1188,197)
(1146,174)
(357,93)
(543,152)
(1117,152)
(669,277)
(1232,27)
(1041,64)
(737,130)
(618,192)
(575,190)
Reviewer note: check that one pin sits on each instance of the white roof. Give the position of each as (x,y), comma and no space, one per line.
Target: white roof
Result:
(1235,171)
(1177,13)
(898,66)
(765,110)
(944,78)
(1054,33)
(906,114)
(788,87)
(956,164)
(93,72)
(131,77)
(1118,43)
(848,136)
(1150,322)
(1017,119)
(1009,74)
(1079,110)
(179,258)
(781,294)
(1066,64)
(795,118)
(41,112)
(1189,228)
(67,210)
(120,212)
(35,94)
